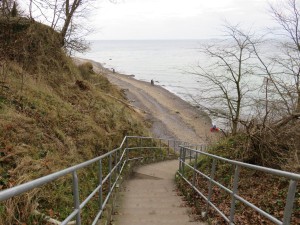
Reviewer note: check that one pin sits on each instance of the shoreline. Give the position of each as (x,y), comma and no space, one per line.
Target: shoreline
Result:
(170,115)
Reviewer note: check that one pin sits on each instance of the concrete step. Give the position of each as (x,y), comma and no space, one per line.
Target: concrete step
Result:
(139,212)
(153,219)
(150,198)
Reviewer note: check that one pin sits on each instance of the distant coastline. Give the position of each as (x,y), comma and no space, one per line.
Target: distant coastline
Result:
(170,115)
(164,61)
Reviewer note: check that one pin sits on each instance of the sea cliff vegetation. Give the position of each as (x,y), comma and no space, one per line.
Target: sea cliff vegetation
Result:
(53,114)
(256,93)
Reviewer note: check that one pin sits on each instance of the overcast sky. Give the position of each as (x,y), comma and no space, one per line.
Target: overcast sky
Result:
(174,19)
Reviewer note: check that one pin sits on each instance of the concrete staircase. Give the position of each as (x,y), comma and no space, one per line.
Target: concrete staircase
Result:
(150,197)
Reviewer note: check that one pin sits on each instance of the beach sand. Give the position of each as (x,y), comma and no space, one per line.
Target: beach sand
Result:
(170,116)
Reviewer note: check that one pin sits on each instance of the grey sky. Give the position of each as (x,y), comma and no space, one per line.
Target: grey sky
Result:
(175,19)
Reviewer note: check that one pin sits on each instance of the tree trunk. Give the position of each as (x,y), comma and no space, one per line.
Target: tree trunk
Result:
(234,126)
(298,102)
(69,12)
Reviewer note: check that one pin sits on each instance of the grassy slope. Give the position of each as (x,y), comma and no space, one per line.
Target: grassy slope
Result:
(52,115)
(265,191)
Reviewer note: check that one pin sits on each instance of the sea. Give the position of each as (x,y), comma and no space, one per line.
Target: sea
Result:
(168,62)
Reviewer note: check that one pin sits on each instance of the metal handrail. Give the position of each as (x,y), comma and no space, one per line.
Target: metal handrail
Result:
(193,155)
(120,155)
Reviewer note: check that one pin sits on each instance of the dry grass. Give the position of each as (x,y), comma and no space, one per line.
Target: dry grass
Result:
(53,115)
(266,191)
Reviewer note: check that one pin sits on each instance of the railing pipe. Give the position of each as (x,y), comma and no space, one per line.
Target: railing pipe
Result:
(194,170)
(126,149)
(174,146)
(294,179)
(262,212)
(211,178)
(234,191)
(76,197)
(101,184)
(109,172)
(210,203)
(180,159)
(292,176)
(70,217)
(8,193)
(183,160)
(115,165)
(289,202)
(115,173)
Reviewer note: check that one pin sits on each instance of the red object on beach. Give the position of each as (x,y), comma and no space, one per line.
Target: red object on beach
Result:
(214,129)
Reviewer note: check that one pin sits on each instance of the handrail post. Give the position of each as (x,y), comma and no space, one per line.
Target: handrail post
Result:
(168,147)
(175,146)
(161,152)
(100,183)
(115,165)
(153,141)
(194,169)
(127,152)
(76,197)
(180,158)
(234,191)
(118,160)
(289,202)
(110,172)
(183,158)
(212,177)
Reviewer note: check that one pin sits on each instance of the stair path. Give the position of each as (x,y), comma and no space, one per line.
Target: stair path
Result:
(150,197)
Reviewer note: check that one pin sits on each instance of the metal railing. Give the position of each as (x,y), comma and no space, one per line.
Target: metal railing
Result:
(192,155)
(116,158)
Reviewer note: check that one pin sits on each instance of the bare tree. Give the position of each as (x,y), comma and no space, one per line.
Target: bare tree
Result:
(284,68)
(61,15)
(225,80)
(6,7)
(66,17)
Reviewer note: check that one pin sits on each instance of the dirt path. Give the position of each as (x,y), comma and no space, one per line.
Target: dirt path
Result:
(171,117)
(149,198)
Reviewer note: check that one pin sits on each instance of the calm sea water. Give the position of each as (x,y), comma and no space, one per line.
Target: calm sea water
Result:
(167,62)
(164,61)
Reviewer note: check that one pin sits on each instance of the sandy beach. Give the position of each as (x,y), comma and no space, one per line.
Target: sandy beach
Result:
(170,116)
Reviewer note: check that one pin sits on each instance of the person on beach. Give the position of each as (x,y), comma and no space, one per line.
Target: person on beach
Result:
(152,82)
(214,128)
